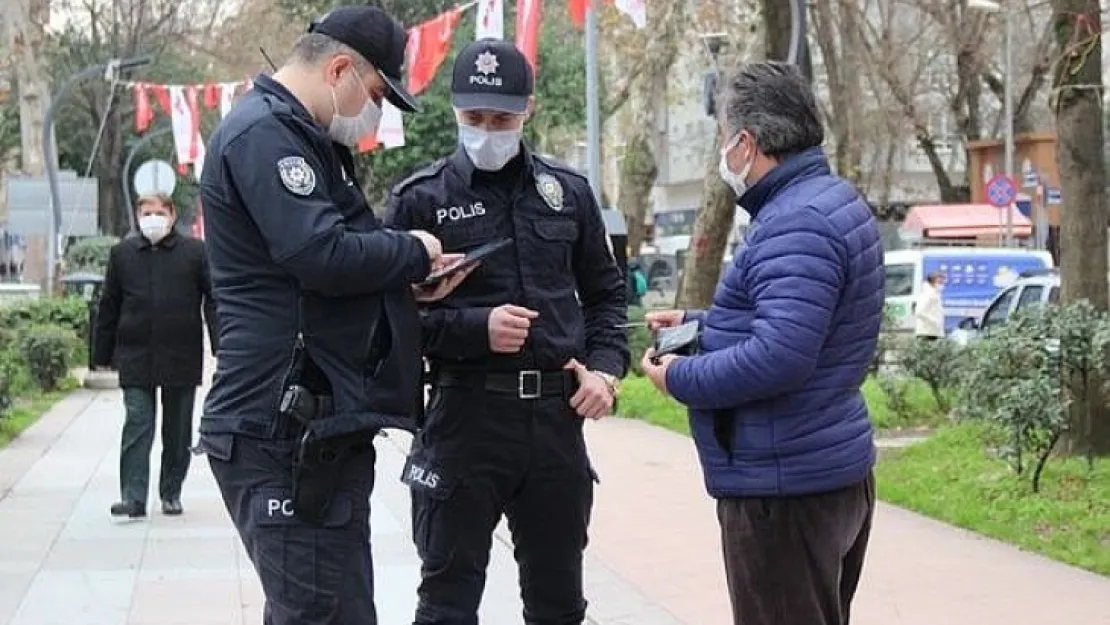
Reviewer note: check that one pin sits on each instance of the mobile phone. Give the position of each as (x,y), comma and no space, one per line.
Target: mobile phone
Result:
(472,257)
(681,340)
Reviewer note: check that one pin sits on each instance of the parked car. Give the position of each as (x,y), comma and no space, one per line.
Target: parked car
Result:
(1035,288)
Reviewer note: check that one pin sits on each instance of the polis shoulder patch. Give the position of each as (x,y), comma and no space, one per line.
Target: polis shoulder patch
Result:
(297,175)
(551,190)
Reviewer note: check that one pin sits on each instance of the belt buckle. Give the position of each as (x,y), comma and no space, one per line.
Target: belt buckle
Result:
(523,380)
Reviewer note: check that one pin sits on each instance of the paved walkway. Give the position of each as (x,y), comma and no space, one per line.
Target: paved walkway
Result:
(652,560)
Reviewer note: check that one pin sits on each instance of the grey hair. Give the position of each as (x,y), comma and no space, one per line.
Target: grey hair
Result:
(773,101)
(316,48)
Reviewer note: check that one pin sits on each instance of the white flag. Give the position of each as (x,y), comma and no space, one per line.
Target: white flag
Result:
(635,9)
(227,97)
(181,121)
(491,20)
(391,130)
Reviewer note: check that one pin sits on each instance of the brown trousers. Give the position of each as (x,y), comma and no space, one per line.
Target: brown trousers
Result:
(796,560)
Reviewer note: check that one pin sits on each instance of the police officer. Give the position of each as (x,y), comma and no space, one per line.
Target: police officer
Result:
(524,350)
(319,334)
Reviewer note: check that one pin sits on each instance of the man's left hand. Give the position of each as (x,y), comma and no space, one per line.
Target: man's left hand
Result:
(594,398)
(657,373)
(443,288)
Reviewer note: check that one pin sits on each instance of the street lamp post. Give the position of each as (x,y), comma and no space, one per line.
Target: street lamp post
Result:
(989,6)
(112,69)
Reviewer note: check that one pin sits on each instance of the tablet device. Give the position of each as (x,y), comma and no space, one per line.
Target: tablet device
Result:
(681,340)
(472,257)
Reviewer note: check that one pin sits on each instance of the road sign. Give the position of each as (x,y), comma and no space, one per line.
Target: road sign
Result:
(154,176)
(1052,196)
(1000,191)
(1031,179)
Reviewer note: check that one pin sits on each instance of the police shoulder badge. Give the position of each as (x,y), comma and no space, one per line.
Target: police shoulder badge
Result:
(296,175)
(550,190)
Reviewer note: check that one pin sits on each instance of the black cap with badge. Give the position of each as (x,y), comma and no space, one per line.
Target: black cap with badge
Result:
(491,74)
(378,38)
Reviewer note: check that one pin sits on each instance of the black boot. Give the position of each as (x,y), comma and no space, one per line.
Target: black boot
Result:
(172,507)
(130,509)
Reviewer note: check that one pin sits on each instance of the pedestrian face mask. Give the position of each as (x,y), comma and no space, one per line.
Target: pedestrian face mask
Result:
(489,150)
(737,181)
(154,227)
(350,130)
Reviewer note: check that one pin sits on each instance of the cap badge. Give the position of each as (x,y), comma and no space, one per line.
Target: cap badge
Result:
(550,190)
(486,63)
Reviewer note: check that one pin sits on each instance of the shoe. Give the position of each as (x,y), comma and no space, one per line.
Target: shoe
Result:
(172,507)
(130,509)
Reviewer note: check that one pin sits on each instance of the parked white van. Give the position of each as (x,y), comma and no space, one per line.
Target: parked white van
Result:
(973,277)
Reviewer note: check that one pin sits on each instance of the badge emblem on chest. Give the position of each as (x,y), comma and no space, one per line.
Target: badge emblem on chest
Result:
(550,190)
(296,175)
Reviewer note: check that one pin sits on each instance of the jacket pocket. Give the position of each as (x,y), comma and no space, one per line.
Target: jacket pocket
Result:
(554,247)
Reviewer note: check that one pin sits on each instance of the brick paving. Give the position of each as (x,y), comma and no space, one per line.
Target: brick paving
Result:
(653,558)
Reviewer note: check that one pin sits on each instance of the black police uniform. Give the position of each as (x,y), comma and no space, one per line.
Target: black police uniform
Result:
(312,293)
(500,436)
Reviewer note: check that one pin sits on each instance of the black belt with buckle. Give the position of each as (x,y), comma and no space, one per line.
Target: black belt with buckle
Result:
(530,384)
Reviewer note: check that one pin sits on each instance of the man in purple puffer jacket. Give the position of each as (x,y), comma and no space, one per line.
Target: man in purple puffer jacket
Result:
(780,425)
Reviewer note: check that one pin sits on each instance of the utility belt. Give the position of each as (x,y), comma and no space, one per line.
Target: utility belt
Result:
(317,462)
(527,385)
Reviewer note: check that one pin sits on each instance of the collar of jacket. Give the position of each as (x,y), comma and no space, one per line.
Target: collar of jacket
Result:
(269,86)
(167,241)
(460,162)
(799,166)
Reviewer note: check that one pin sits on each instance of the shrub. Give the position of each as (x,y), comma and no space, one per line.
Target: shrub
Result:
(13,380)
(71,313)
(1016,379)
(937,364)
(47,350)
(90,254)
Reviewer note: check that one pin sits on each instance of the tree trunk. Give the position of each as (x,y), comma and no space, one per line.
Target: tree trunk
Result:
(712,228)
(111,217)
(843,78)
(25,43)
(713,225)
(639,169)
(1083,220)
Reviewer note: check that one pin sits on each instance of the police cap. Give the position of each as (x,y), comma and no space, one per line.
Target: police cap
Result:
(491,74)
(378,38)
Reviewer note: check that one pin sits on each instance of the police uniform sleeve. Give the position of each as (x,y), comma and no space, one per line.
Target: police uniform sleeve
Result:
(448,333)
(303,228)
(601,290)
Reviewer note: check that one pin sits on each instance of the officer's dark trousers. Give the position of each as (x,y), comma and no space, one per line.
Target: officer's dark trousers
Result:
(796,560)
(311,575)
(138,438)
(482,455)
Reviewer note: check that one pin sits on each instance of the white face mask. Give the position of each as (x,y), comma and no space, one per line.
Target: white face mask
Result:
(489,150)
(350,130)
(738,182)
(154,227)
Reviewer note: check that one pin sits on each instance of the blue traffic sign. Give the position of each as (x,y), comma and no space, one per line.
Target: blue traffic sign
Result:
(1000,191)
(1052,196)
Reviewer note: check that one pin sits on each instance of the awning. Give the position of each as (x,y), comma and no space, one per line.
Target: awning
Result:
(960,221)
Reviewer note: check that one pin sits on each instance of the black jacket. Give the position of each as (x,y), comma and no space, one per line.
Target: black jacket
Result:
(148,323)
(561,265)
(294,248)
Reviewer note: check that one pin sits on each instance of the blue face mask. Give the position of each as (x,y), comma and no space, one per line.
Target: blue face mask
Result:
(489,150)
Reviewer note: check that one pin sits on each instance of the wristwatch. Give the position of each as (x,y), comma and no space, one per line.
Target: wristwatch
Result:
(612,381)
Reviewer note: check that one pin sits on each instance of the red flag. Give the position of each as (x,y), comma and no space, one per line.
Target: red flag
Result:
(162,94)
(528,29)
(211,95)
(143,113)
(428,45)
(577,10)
